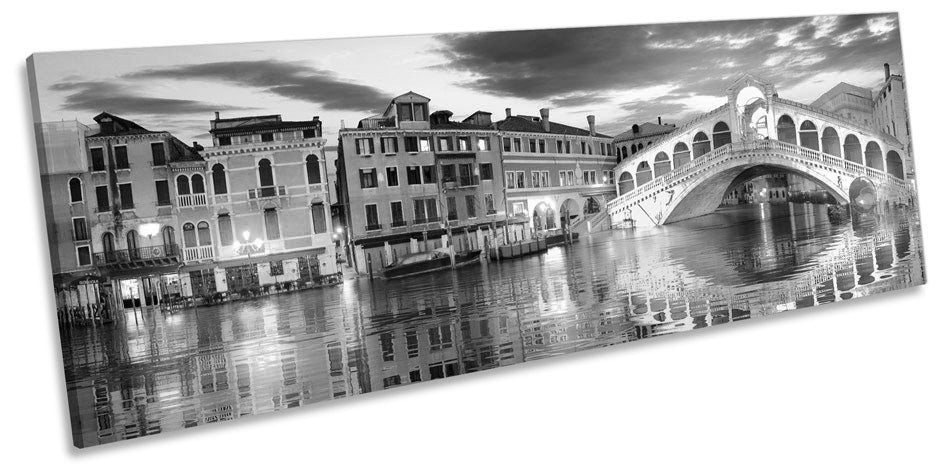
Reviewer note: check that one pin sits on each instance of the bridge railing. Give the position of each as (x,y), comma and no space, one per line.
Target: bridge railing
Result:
(699,163)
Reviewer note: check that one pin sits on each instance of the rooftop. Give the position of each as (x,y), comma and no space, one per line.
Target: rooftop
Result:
(522,123)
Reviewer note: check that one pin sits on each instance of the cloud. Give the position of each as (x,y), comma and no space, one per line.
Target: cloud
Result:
(565,66)
(93,96)
(292,80)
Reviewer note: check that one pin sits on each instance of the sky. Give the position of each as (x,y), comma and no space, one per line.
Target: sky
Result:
(621,74)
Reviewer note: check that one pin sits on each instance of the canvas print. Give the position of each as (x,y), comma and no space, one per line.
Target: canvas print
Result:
(239,229)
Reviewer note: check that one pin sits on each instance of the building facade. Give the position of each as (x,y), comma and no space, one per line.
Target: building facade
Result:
(555,175)
(639,136)
(412,181)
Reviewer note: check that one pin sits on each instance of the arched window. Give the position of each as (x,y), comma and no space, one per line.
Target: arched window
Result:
(808,135)
(225,230)
(75,190)
(873,156)
(661,164)
(701,145)
(721,135)
(132,243)
(626,182)
(197,184)
(623,152)
(644,174)
(313,169)
(640,146)
(182,185)
(852,149)
(204,233)
(188,233)
(265,173)
(895,166)
(219,180)
(786,130)
(830,143)
(108,246)
(680,155)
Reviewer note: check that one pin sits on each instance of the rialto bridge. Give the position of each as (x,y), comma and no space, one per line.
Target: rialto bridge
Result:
(686,173)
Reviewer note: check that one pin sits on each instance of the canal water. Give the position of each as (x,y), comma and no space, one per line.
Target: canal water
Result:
(169,371)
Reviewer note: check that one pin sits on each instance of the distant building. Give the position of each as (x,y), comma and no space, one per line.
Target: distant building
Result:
(850,101)
(269,206)
(409,180)
(639,136)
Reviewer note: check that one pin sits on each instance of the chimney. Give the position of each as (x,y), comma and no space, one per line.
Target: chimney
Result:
(887,71)
(590,123)
(507,112)
(316,118)
(217,115)
(659,120)
(546,119)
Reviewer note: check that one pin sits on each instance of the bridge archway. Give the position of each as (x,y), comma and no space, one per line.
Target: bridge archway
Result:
(895,165)
(873,156)
(680,155)
(543,217)
(830,143)
(808,135)
(569,210)
(701,144)
(661,165)
(852,149)
(721,135)
(704,196)
(785,130)
(862,194)
(626,182)
(644,173)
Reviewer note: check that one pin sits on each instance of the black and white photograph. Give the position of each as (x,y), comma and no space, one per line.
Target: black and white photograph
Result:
(241,228)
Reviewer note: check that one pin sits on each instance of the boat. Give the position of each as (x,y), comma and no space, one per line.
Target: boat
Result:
(427,262)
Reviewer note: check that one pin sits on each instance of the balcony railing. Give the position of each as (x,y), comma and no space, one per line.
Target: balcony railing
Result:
(191,200)
(373,227)
(138,254)
(198,253)
(266,192)
(398,223)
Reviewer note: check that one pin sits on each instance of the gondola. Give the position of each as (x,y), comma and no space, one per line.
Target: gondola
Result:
(427,262)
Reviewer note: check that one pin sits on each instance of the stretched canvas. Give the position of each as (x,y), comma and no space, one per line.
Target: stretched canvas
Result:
(242,228)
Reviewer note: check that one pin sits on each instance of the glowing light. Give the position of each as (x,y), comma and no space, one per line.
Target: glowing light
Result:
(246,234)
(149,230)
(339,230)
(258,243)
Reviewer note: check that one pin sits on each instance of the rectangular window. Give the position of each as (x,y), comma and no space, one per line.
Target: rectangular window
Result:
(162,196)
(485,171)
(125,196)
(404,111)
(368,178)
(428,174)
(267,137)
(318,213)
(414,175)
(271,224)
(412,346)
(542,146)
(364,146)
(448,174)
(514,179)
(567,146)
(583,147)
(309,133)
(560,146)
(506,144)
(535,179)
(225,231)
(517,145)
(121,157)
(425,210)
(395,211)
(431,212)
(388,349)
(392,176)
(98,162)
(470,206)
(424,145)
(412,144)
(389,145)
(83,255)
(532,145)
(372,217)
(519,208)
(451,208)
(467,174)
(440,337)
(102,199)
(465,144)
(158,153)
(483,144)
(489,204)
(79,229)
(519,179)
(445,144)
(224,140)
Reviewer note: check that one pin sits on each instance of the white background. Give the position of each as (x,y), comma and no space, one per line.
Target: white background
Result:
(861,384)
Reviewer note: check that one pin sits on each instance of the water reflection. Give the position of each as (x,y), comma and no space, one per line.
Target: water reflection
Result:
(181,370)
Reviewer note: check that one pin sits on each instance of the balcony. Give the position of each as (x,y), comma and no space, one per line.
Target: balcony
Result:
(425,220)
(373,227)
(192,200)
(139,257)
(398,223)
(198,253)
